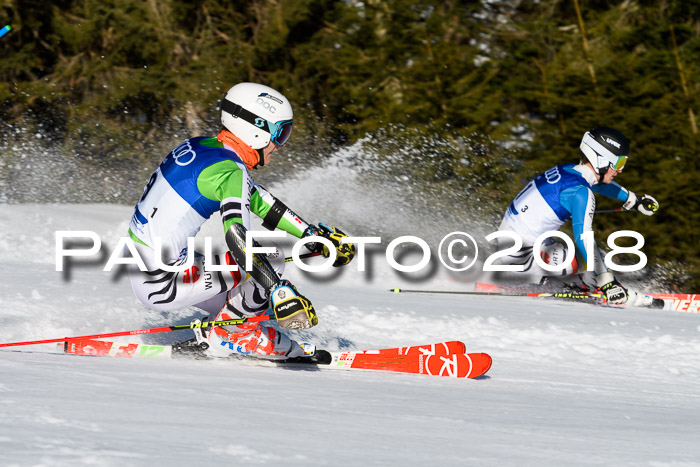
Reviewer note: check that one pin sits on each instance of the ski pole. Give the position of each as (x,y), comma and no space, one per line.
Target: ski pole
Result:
(306,255)
(561,295)
(462,292)
(603,211)
(458,292)
(203,324)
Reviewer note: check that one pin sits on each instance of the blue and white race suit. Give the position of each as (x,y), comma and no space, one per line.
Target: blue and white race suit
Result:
(562,193)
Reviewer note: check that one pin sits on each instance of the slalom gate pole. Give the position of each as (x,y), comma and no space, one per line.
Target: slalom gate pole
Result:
(559,295)
(179,327)
(304,256)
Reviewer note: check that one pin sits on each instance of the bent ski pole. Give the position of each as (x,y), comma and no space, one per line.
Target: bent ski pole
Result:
(179,327)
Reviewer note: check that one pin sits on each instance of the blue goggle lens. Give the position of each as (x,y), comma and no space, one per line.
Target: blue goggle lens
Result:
(281,132)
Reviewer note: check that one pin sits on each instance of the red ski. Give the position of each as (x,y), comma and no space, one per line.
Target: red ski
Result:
(99,348)
(441,348)
(424,360)
(689,303)
(440,359)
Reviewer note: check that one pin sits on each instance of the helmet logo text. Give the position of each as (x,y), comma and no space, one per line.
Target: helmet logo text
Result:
(269,107)
(613,142)
(270,96)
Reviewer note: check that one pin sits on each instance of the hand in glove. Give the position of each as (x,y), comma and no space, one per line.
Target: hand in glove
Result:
(614,292)
(345,252)
(292,310)
(647,204)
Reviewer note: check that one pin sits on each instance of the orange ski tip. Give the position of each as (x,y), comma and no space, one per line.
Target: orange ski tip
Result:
(479,364)
(486,362)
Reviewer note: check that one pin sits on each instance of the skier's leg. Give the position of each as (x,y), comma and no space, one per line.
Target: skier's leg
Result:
(247,300)
(213,305)
(250,298)
(253,339)
(167,291)
(522,257)
(552,252)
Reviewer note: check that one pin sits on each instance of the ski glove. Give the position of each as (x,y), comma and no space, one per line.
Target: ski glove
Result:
(647,204)
(345,252)
(614,292)
(292,310)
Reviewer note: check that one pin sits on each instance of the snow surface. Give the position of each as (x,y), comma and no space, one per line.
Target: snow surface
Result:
(571,384)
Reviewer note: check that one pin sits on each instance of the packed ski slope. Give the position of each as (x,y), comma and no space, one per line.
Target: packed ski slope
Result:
(571,384)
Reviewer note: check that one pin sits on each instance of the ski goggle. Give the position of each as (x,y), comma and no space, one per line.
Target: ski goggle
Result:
(616,163)
(279,131)
(620,164)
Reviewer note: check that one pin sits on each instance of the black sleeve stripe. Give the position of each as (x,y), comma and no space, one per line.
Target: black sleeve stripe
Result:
(274,215)
(230,206)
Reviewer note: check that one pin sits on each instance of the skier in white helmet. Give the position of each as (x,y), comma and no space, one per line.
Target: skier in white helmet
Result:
(567,192)
(204,175)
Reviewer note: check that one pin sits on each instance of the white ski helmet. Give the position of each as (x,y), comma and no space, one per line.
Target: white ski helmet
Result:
(604,148)
(257,114)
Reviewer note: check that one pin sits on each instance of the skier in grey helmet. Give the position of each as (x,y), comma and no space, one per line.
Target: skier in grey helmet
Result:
(567,192)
